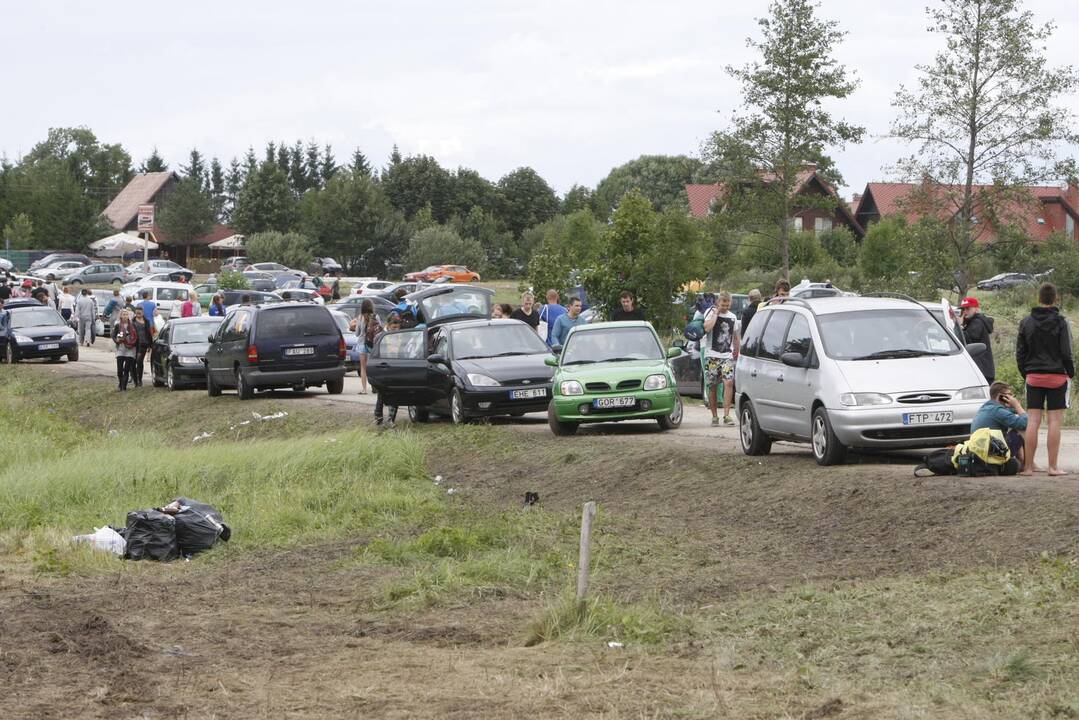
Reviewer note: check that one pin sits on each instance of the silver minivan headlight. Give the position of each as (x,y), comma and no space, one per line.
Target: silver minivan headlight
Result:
(864,399)
(978,392)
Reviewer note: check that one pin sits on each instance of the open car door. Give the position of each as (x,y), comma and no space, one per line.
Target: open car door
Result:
(397,368)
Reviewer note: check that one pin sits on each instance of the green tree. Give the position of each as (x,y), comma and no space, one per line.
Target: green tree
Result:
(19,232)
(217,188)
(61,213)
(563,246)
(232,280)
(625,263)
(527,200)
(784,121)
(195,170)
(579,197)
(266,202)
(660,178)
(840,245)
(498,244)
(154,163)
(417,181)
(344,219)
(470,190)
(360,165)
(884,248)
(1062,256)
(675,256)
(442,246)
(986,111)
(329,165)
(188,214)
(234,180)
(100,170)
(289,248)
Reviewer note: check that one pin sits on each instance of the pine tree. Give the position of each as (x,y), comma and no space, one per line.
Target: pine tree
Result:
(154,163)
(271,152)
(195,170)
(233,184)
(217,188)
(282,157)
(251,164)
(329,164)
(297,173)
(313,165)
(360,166)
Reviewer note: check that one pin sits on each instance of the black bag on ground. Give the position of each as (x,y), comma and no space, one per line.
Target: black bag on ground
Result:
(151,535)
(938,462)
(199,526)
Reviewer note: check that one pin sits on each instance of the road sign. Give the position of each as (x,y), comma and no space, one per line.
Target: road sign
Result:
(146,217)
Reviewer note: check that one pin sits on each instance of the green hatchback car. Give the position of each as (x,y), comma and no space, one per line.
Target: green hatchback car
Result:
(613,371)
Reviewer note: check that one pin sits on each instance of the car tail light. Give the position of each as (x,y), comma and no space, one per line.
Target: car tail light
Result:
(252,354)
(342,349)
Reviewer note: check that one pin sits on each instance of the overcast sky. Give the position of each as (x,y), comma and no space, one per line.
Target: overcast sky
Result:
(569,88)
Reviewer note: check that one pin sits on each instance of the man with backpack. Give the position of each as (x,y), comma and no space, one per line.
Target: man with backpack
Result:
(1002,411)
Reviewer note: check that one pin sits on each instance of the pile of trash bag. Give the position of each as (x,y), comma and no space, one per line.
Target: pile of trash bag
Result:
(182,528)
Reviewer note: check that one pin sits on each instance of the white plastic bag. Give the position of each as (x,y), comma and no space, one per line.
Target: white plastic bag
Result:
(99,327)
(104,539)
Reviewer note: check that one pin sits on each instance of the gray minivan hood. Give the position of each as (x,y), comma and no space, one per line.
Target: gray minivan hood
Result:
(947,372)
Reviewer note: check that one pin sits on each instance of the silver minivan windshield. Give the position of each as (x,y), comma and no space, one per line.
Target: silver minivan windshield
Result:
(884,335)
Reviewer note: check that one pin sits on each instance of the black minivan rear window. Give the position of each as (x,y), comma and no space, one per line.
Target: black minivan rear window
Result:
(295,322)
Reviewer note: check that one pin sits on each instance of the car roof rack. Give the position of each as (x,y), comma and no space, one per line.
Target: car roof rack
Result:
(788,300)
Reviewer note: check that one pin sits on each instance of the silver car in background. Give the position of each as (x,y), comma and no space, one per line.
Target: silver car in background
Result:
(854,372)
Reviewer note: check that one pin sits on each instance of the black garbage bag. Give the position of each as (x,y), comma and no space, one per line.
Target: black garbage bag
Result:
(198,526)
(151,535)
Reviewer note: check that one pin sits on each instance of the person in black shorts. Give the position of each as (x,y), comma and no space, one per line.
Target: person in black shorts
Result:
(1043,352)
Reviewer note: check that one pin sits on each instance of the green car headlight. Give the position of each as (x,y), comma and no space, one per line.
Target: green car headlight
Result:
(571,387)
(655,382)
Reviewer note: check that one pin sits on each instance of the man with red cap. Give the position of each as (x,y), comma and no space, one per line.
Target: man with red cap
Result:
(978,328)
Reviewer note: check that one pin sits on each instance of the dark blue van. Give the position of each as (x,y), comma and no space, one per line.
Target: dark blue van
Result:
(283,345)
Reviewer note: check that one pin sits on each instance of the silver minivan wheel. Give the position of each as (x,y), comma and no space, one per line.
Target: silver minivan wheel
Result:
(820,437)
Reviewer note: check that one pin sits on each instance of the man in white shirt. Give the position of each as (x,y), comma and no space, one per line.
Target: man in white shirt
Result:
(721,341)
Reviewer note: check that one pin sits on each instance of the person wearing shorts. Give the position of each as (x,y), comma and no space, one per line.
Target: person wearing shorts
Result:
(1043,352)
(721,343)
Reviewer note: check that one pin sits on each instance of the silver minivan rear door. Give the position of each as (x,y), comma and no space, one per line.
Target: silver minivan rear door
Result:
(795,386)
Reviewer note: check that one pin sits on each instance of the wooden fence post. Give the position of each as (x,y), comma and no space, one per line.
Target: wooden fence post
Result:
(585,560)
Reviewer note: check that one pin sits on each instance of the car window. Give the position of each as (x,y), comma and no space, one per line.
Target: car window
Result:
(402,345)
(611,345)
(452,304)
(35,317)
(862,333)
(295,322)
(771,345)
(752,340)
(190,332)
(342,323)
(496,341)
(442,344)
(799,338)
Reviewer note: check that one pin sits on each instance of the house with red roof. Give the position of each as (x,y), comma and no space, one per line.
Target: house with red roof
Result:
(1046,210)
(707,199)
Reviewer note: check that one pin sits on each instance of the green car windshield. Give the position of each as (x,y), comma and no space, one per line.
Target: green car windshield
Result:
(611,345)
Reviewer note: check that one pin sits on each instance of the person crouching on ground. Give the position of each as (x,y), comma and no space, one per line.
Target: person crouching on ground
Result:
(1005,413)
(393,322)
(1043,352)
(126,338)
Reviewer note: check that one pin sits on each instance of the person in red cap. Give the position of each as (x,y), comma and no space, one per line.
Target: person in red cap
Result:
(978,328)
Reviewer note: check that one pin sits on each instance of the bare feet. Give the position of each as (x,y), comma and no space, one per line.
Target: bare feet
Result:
(1027,473)
(1057,472)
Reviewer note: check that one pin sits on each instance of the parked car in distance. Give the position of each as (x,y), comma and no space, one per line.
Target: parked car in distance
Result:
(389,293)
(59,257)
(140,270)
(98,274)
(260,281)
(419,275)
(867,372)
(174,276)
(612,372)
(235,263)
(302,295)
(325,266)
(169,296)
(56,271)
(273,269)
(454,273)
(1007,280)
(35,331)
(281,345)
(367,287)
(178,355)
(234,297)
(353,305)
(806,289)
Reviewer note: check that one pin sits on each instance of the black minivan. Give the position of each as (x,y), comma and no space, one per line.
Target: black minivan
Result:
(284,345)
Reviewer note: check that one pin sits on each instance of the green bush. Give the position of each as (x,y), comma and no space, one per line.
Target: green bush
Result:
(232,280)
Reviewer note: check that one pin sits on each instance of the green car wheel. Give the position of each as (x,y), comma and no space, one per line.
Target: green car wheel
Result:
(557,426)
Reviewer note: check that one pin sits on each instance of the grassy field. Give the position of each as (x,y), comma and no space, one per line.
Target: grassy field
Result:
(358,584)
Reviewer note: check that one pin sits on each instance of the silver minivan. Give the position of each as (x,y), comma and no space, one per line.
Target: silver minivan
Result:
(854,372)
